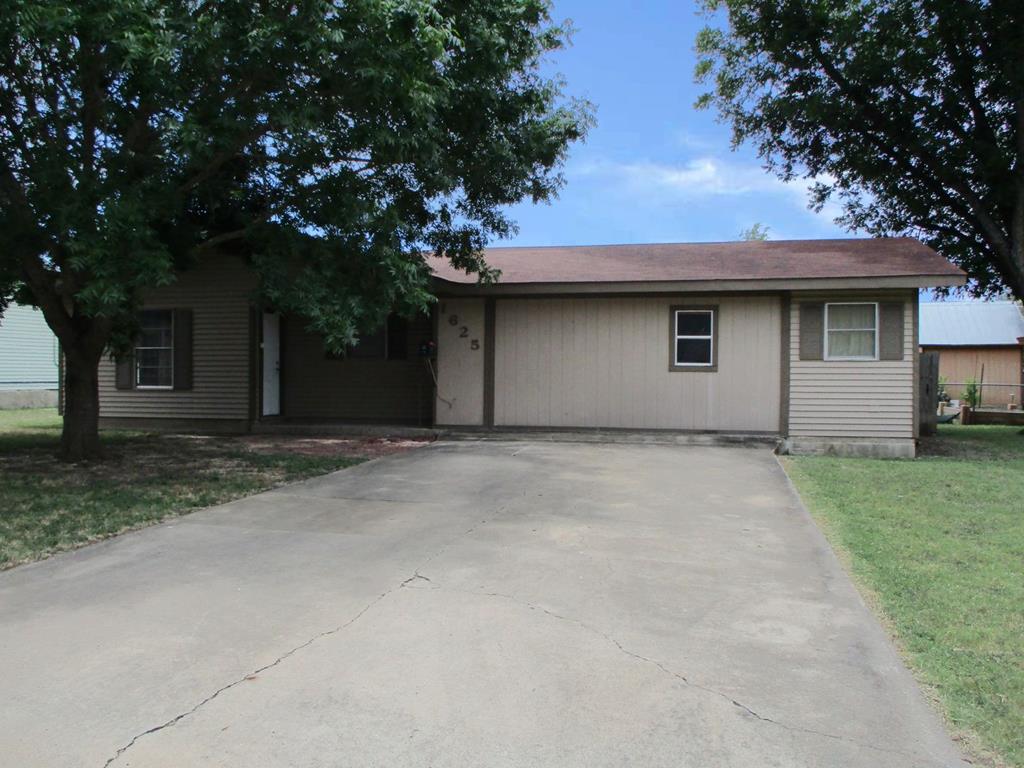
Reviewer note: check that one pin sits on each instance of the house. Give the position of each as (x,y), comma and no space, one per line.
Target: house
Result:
(28,359)
(978,340)
(813,342)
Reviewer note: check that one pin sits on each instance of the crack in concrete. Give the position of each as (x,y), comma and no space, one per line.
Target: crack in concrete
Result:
(416,576)
(248,676)
(682,678)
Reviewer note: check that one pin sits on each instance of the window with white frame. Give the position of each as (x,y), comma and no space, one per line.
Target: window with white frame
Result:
(154,350)
(693,338)
(851,331)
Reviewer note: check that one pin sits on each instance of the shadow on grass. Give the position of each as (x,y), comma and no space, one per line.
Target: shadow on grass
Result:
(48,505)
(974,442)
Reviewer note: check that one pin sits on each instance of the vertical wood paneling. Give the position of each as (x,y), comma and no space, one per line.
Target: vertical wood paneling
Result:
(460,368)
(1002,365)
(603,362)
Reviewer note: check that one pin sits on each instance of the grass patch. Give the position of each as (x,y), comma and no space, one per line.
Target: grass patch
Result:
(939,541)
(47,506)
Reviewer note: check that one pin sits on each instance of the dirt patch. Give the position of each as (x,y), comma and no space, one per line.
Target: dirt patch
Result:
(364,447)
(48,505)
(139,457)
(970,443)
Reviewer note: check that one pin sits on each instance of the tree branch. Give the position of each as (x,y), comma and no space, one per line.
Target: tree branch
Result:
(92,101)
(218,160)
(896,136)
(968,87)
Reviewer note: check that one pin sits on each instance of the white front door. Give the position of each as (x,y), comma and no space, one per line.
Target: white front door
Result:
(271,364)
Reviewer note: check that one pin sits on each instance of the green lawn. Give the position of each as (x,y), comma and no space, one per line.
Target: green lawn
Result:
(937,543)
(47,506)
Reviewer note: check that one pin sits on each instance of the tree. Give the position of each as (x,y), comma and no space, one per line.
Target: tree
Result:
(330,142)
(909,113)
(756,231)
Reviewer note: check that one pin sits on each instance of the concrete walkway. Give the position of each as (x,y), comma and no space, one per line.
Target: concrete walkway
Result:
(466,604)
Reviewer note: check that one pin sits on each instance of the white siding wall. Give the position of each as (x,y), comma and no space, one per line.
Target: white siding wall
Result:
(28,350)
(460,367)
(833,399)
(219,293)
(603,362)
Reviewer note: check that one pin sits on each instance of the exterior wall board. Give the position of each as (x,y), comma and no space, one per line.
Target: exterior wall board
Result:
(28,350)
(219,292)
(862,399)
(600,362)
(460,362)
(354,389)
(1002,366)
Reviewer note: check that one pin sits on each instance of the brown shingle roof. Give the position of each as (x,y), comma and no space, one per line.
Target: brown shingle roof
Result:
(681,262)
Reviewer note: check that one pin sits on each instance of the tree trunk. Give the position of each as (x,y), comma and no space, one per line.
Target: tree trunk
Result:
(80,439)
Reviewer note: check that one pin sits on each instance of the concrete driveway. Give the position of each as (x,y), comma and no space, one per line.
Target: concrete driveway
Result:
(466,604)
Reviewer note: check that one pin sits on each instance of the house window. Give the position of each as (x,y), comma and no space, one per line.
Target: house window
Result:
(851,331)
(389,342)
(154,350)
(693,338)
(371,346)
(398,338)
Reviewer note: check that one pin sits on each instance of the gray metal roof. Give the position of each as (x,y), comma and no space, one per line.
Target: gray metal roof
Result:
(971,323)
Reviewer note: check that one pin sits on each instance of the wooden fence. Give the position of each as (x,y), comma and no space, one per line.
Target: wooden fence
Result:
(928,392)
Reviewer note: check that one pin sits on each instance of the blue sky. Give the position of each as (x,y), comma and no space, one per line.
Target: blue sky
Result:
(654,169)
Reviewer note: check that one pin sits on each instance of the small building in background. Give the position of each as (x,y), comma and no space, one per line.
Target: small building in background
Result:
(28,359)
(979,340)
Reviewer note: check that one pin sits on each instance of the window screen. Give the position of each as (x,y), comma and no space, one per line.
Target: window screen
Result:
(370,346)
(851,331)
(389,342)
(154,351)
(694,337)
(398,338)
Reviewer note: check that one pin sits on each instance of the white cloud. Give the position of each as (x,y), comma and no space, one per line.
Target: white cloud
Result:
(694,141)
(697,179)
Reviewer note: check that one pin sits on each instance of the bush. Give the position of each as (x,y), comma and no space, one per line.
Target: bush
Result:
(972,394)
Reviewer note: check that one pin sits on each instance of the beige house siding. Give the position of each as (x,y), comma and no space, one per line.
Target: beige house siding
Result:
(603,362)
(863,399)
(1002,372)
(316,386)
(219,293)
(460,362)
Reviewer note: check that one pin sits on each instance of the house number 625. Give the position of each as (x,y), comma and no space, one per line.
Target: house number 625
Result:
(464,332)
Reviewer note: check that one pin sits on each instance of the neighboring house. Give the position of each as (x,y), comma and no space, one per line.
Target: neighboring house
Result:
(811,341)
(28,359)
(977,340)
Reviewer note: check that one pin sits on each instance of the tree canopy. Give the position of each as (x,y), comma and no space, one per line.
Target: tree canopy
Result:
(908,113)
(756,231)
(329,142)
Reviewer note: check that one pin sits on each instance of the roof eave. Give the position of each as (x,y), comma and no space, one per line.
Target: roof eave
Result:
(699,286)
(975,344)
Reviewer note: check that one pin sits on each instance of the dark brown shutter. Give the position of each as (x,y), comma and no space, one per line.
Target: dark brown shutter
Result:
(183,349)
(812,331)
(890,339)
(125,376)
